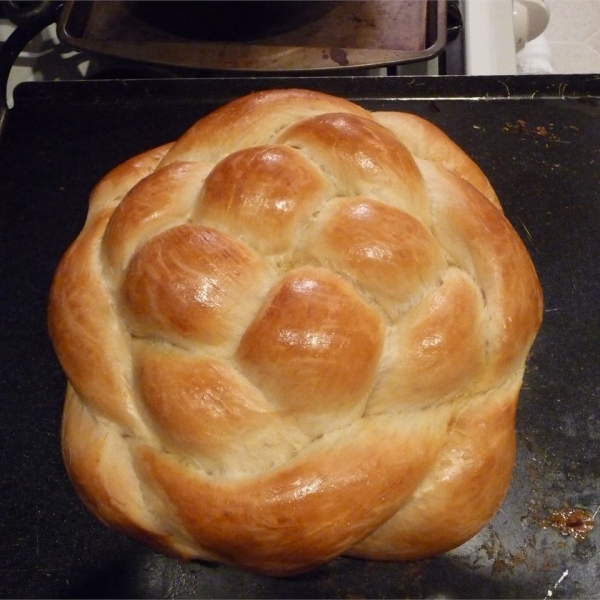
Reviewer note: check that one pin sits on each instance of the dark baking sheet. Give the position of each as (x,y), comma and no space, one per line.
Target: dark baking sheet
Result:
(537,138)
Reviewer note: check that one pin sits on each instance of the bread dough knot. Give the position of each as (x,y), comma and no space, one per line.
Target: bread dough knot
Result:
(297,332)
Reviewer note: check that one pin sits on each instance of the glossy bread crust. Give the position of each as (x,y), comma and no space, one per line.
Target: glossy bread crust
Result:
(297,332)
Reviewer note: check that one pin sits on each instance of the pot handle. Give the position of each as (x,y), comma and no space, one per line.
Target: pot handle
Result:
(30,18)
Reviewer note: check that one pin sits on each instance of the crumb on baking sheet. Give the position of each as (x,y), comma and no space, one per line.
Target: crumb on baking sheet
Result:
(544,131)
(574,522)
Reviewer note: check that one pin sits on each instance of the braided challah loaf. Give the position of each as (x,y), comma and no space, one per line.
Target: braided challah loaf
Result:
(297,332)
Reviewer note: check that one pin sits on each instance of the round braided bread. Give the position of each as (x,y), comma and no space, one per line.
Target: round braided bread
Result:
(298,332)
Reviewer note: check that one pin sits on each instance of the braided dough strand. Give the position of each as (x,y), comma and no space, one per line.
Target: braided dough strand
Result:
(295,333)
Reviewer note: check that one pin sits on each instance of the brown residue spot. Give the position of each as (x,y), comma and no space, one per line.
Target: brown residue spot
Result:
(503,560)
(520,126)
(575,522)
(339,56)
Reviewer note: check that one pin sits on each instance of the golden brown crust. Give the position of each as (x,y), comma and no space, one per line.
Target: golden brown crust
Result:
(286,520)
(424,140)
(252,121)
(110,190)
(465,486)
(297,332)
(279,191)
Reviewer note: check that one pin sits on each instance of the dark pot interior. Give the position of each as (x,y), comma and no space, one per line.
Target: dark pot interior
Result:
(232,21)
